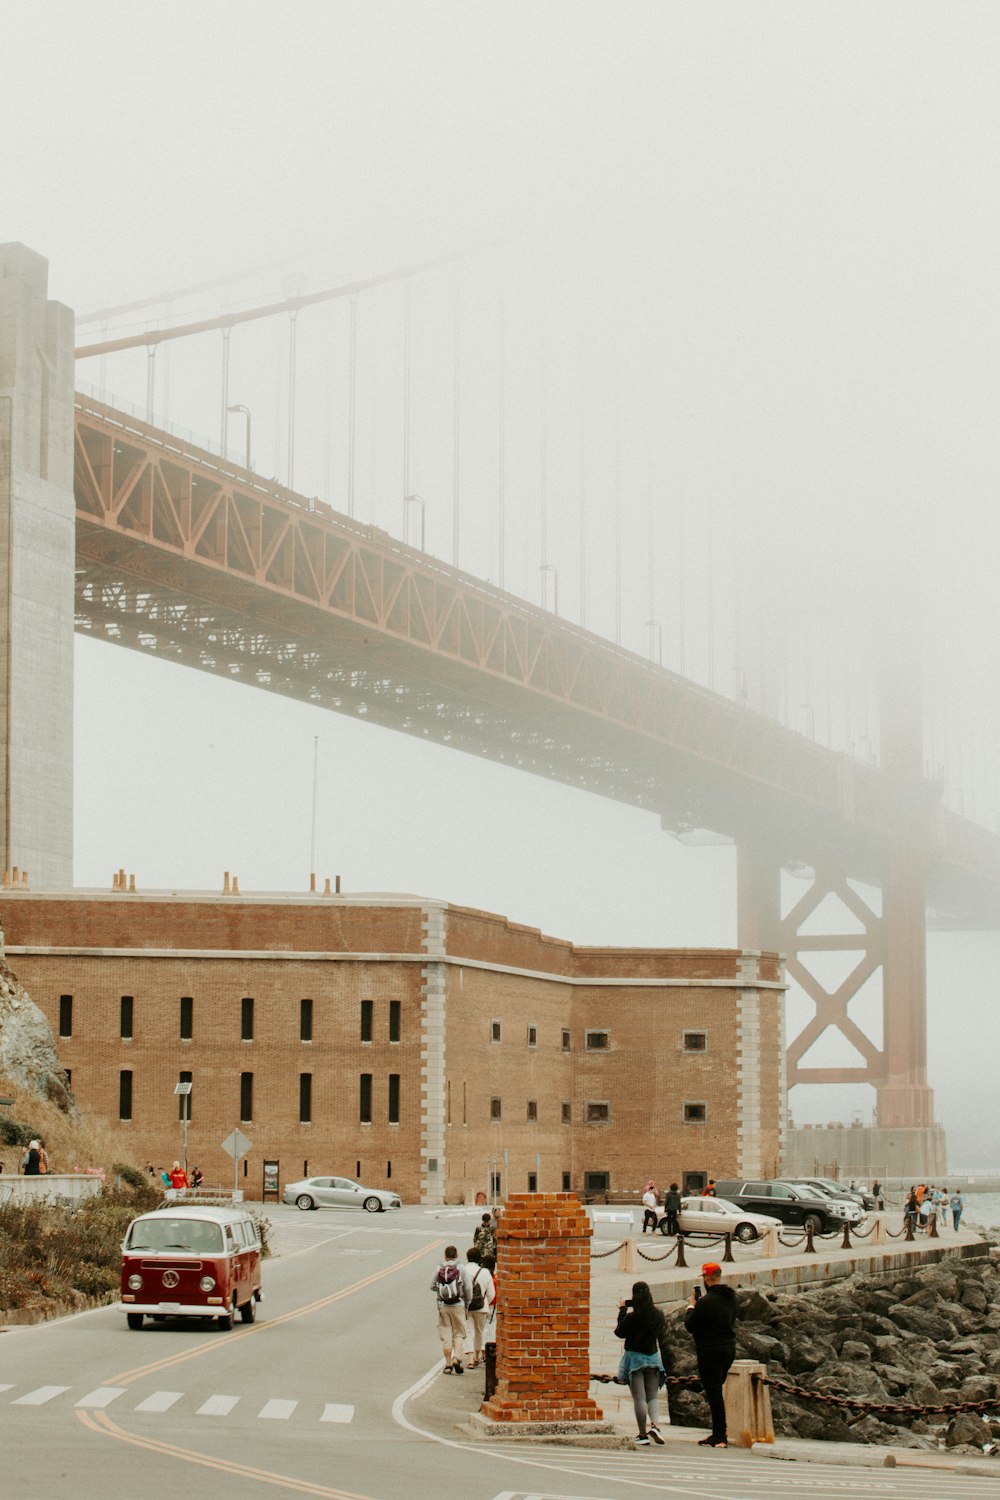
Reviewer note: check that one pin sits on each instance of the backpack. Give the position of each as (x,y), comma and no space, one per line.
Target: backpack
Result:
(449,1283)
(477,1300)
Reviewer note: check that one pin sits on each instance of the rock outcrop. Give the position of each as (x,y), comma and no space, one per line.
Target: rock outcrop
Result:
(921,1338)
(28,1056)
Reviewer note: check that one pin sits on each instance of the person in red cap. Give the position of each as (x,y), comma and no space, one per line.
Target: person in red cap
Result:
(711,1322)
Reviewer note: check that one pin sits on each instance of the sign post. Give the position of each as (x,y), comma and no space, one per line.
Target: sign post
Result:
(236,1145)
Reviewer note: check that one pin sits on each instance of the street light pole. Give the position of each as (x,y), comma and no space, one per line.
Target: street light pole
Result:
(184,1089)
(246,412)
(418,500)
(551,568)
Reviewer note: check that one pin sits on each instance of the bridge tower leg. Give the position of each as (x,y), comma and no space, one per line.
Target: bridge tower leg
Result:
(37,550)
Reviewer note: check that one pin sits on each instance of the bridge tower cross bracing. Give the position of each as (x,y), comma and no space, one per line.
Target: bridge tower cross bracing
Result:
(37,556)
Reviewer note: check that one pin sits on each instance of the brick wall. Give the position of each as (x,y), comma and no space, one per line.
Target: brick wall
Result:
(543,1318)
(454,973)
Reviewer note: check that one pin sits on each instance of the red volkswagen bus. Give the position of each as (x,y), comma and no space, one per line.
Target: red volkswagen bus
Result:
(187,1261)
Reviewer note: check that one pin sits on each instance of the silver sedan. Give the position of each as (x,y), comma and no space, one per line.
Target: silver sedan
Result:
(719,1216)
(338,1192)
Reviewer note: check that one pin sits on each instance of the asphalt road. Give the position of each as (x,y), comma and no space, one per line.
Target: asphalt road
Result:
(335,1393)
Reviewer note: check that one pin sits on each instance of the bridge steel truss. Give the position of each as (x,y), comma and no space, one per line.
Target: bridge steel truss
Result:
(187,556)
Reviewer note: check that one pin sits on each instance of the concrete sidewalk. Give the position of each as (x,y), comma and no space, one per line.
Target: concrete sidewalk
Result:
(455,1402)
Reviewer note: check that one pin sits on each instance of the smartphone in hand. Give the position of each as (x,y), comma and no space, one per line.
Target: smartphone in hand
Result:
(697,1292)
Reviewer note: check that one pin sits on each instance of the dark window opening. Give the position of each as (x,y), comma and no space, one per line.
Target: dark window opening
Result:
(305,1020)
(597,1111)
(695,1041)
(567,1112)
(187,1018)
(367,1008)
(246,1096)
(246,1025)
(393,1098)
(125,1095)
(565,1041)
(395,1015)
(596,1182)
(695,1113)
(532,1110)
(532,1182)
(567,1181)
(494,1031)
(126,1017)
(365,1104)
(495,1108)
(532,1036)
(65,1015)
(305,1098)
(596,1041)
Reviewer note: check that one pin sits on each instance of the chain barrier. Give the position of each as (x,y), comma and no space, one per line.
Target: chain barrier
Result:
(864,1234)
(896,1234)
(667,1254)
(603,1254)
(892,1407)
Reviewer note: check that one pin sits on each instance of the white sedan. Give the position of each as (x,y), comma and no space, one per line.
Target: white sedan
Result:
(338,1192)
(718,1216)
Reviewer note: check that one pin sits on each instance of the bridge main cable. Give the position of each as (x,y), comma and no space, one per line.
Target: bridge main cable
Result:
(272,309)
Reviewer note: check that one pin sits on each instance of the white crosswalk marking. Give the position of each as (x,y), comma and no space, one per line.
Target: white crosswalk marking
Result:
(217,1406)
(160,1401)
(279,1410)
(38,1398)
(333,1413)
(103,1396)
(6,1387)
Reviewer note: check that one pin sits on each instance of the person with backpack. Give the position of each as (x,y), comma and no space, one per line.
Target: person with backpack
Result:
(447,1287)
(478,1293)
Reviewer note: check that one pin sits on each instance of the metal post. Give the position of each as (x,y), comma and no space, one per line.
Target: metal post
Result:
(150,380)
(246,412)
(502,456)
(352,406)
(456,419)
(549,568)
(406,395)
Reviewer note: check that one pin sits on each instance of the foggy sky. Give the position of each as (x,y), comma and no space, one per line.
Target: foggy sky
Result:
(763,235)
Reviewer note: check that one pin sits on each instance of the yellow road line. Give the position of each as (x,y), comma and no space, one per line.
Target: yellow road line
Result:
(101,1423)
(257,1328)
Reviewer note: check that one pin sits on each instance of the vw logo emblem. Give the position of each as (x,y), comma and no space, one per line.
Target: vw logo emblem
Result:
(170,1278)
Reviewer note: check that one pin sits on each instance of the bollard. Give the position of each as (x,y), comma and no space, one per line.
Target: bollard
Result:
(810,1247)
(680,1252)
(932,1229)
(627,1258)
(490,1367)
(909,1228)
(845,1243)
(769,1238)
(748,1404)
(878,1234)
(729,1248)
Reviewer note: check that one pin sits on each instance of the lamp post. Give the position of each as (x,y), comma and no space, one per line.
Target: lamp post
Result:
(246,412)
(655,625)
(184,1089)
(551,568)
(418,500)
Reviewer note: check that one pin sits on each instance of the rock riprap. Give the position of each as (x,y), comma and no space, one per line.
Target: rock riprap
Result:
(925,1337)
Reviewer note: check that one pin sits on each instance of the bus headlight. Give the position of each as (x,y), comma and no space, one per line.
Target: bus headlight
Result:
(134,1282)
(206,1283)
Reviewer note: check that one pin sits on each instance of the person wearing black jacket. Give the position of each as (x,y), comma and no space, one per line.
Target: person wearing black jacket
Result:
(643,1327)
(672,1207)
(711,1322)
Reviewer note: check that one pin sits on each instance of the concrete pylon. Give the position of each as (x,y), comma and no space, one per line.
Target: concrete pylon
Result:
(37,551)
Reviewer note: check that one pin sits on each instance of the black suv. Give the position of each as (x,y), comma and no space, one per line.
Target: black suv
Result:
(792,1205)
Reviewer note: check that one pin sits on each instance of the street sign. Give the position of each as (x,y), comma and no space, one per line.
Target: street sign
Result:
(236,1145)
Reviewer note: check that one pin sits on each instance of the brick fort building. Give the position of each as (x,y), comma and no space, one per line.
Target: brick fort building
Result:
(409,1043)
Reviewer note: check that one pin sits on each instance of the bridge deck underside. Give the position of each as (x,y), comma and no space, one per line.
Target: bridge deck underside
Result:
(195,561)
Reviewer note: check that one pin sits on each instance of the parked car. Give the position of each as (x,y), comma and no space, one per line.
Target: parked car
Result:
(338,1192)
(793,1205)
(836,1190)
(718,1216)
(191,1262)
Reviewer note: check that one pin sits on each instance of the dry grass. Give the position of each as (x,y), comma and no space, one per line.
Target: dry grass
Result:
(73,1143)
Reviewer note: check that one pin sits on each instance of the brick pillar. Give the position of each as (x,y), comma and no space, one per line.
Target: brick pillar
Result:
(543,1321)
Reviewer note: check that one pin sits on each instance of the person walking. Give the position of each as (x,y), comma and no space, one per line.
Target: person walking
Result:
(485,1238)
(643,1327)
(178,1178)
(447,1285)
(672,1207)
(877,1194)
(711,1321)
(31,1162)
(478,1293)
(956,1205)
(650,1202)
